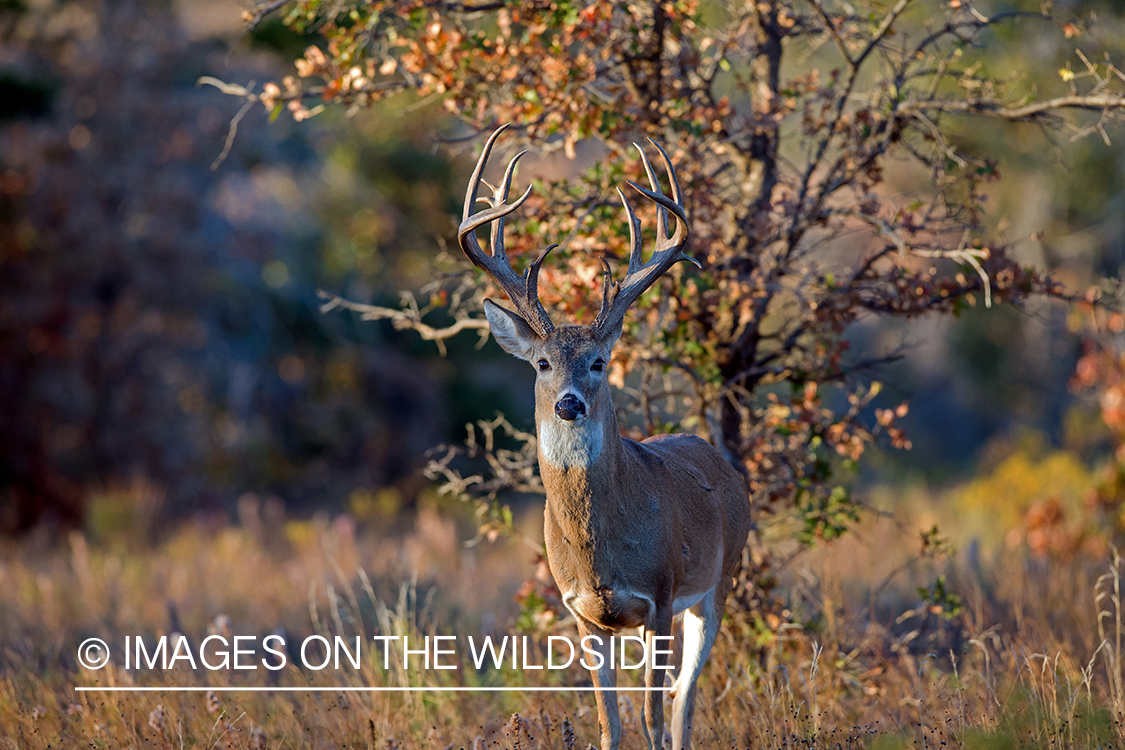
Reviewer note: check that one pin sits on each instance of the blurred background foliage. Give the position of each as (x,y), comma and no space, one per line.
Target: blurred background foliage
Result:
(161,349)
(160,340)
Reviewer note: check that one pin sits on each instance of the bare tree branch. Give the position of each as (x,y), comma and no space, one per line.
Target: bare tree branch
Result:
(828,24)
(1025,112)
(408,319)
(256,16)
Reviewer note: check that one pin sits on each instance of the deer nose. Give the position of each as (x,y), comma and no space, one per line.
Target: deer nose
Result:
(570,408)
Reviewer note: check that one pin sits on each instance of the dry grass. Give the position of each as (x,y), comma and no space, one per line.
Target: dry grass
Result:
(1027,662)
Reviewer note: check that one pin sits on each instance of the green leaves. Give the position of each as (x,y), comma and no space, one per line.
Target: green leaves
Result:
(940,600)
(825,515)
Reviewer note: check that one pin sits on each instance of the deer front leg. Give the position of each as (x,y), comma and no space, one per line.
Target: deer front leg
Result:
(659,624)
(605,679)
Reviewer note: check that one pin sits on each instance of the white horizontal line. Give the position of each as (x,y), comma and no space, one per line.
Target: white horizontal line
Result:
(365,689)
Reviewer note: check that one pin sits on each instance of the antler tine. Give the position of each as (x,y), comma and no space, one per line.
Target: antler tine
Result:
(636,247)
(522,291)
(475,180)
(673,179)
(531,283)
(662,213)
(656,195)
(499,198)
(617,298)
(609,288)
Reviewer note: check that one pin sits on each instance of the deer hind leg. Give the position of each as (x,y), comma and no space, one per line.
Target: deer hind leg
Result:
(659,623)
(677,657)
(605,679)
(701,625)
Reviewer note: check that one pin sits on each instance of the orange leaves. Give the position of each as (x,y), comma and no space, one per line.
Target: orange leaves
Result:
(412,60)
(313,63)
(885,418)
(809,399)
(1101,368)
(553,69)
(796,431)
(1112,402)
(1046,531)
(271,92)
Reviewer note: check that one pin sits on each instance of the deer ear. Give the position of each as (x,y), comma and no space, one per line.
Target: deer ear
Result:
(511,331)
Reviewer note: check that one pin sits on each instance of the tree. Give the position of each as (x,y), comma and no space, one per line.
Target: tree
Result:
(816,142)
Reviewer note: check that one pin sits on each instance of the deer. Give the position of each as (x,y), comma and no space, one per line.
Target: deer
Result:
(636,533)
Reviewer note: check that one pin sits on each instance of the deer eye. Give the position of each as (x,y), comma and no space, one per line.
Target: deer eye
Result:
(544,365)
(598,365)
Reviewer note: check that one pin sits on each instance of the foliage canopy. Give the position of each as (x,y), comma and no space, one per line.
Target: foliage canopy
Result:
(816,144)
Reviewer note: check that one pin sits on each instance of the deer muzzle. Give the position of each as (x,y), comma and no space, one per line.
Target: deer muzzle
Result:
(570,408)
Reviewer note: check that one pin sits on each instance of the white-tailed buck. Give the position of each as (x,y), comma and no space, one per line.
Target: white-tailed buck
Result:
(636,532)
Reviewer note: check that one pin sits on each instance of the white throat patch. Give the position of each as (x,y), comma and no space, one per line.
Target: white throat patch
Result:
(570,444)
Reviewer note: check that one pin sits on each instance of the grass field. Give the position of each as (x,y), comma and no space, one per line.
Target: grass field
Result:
(1005,651)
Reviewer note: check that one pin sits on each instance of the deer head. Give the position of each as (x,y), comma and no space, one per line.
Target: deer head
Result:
(570,361)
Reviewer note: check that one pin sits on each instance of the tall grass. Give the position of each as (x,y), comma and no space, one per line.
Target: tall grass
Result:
(1033,659)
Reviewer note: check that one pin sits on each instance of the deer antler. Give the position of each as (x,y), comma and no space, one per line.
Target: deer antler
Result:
(522,291)
(616,298)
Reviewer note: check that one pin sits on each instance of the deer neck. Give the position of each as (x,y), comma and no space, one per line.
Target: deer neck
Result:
(579,460)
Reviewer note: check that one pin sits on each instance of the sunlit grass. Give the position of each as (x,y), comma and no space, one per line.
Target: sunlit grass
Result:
(1026,663)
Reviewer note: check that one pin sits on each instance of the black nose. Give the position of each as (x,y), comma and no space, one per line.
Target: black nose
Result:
(570,408)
